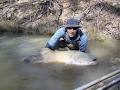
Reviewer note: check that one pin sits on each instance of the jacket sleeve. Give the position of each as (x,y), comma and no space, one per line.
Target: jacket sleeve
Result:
(52,43)
(83,42)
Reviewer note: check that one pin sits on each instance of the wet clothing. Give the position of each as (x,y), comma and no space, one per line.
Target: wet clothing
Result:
(61,39)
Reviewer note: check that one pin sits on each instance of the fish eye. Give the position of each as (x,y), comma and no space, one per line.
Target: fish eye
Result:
(95,59)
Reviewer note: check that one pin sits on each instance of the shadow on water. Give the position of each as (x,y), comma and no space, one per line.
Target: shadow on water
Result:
(17,75)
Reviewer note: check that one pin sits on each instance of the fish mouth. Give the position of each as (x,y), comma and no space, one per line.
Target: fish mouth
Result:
(94,61)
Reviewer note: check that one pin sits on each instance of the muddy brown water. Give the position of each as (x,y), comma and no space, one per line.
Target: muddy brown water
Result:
(17,75)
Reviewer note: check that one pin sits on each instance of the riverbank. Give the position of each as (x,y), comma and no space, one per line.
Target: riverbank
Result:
(100,19)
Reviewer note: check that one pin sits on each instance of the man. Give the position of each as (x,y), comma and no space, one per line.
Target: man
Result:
(69,36)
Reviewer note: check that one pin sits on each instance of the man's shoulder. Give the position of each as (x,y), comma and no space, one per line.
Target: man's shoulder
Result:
(61,30)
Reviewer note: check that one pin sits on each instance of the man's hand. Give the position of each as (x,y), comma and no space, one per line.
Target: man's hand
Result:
(70,46)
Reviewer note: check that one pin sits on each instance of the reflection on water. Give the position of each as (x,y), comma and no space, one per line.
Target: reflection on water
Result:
(17,75)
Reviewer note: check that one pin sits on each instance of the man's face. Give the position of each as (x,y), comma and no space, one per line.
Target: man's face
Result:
(72,31)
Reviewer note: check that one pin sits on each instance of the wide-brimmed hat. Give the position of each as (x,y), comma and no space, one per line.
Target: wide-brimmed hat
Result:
(72,23)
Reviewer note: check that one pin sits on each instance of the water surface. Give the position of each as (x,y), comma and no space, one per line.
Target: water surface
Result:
(17,75)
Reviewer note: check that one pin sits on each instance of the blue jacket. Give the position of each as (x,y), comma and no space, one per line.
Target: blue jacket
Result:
(81,39)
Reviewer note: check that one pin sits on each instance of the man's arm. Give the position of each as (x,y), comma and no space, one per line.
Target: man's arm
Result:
(52,43)
(83,42)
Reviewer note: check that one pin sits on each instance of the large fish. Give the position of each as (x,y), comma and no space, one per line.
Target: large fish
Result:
(67,57)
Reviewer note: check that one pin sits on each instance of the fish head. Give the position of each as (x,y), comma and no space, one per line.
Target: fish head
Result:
(84,62)
(90,62)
